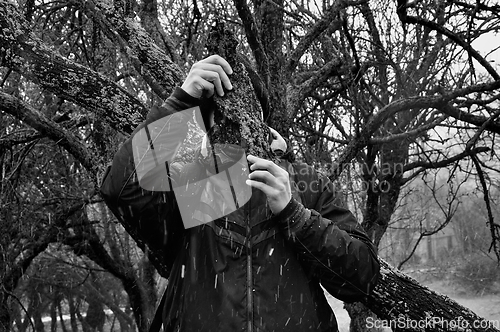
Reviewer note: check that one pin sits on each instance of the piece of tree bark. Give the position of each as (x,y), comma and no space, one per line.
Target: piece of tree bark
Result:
(22,51)
(11,105)
(237,114)
(148,59)
(401,300)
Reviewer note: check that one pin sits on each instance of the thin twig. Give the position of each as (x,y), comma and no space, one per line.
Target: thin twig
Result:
(494,228)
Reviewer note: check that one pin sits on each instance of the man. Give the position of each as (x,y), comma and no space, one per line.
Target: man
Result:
(260,266)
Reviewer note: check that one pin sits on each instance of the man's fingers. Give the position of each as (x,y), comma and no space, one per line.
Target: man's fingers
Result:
(263,176)
(214,74)
(202,84)
(222,78)
(214,70)
(272,180)
(259,163)
(266,189)
(268,173)
(218,60)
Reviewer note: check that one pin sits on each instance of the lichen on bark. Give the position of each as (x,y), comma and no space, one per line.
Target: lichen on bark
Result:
(237,115)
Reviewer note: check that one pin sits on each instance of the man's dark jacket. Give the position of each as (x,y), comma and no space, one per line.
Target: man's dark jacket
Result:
(250,270)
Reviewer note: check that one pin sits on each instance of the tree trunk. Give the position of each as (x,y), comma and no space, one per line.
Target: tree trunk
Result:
(61,318)
(53,316)
(360,315)
(86,242)
(72,314)
(238,114)
(399,299)
(150,22)
(38,307)
(5,319)
(271,26)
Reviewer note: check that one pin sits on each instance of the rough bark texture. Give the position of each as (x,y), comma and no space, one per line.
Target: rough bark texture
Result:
(238,112)
(49,128)
(272,26)
(400,298)
(151,62)
(151,23)
(22,51)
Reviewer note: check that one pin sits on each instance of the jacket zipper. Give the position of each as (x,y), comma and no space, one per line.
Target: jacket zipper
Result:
(249,272)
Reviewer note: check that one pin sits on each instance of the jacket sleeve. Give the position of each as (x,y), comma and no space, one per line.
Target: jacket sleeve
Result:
(150,216)
(330,241)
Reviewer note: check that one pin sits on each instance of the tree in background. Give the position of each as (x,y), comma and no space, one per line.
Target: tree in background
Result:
(373,104)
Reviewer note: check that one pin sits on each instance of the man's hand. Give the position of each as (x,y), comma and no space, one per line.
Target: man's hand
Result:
(278,143)
(272,180)
(208,76)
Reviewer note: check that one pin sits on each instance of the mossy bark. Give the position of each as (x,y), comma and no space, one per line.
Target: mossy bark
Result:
(401,301)
(26,54)
(238,113)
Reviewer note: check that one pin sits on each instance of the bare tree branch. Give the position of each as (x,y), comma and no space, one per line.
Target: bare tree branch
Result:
(400,105)
(479,131)
(252,33)
(494,9)
(258,85)
(149,20)
(30,57)
(38,245)
(16,138)
(411,133)
(331,17)
(453,36)
(446,162)
(424,165)
(494,227)
(49,128)
(87,242)
(151,62)
(470,118)
(296,95)
(377,47)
